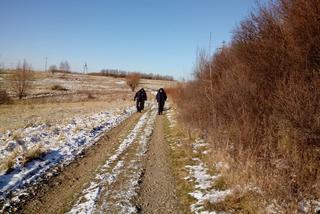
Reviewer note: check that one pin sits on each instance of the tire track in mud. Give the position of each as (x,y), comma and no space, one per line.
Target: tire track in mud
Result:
(121,196)
(125,172)
(117,181)
(60,192)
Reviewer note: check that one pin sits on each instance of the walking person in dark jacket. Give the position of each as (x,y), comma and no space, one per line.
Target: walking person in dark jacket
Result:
(161,99)
(140,97)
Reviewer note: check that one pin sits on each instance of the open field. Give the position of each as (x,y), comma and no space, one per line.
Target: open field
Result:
(51,128)
(84,95)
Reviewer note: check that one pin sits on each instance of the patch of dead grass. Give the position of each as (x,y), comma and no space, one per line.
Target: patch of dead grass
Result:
(34,153)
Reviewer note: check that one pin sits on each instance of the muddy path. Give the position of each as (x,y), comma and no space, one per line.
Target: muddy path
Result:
(58,194)
(157,193)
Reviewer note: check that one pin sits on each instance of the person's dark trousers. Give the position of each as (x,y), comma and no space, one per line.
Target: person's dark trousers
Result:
(141,105)
(138,106)
(160,107)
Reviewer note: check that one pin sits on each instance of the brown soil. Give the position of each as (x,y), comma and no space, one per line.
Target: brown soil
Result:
(158,194)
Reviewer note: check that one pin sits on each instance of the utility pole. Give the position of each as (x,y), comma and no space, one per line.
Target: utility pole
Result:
(45,66)
(85,68)
(210,69)
(211,83)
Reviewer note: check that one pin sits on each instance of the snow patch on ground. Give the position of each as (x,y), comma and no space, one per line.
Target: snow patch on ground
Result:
(203,183)
(130,188)
(120,82)
(87,203)
(63,144)
(171,116)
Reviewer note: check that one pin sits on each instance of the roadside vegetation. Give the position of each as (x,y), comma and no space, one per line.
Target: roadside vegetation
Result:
(256,100)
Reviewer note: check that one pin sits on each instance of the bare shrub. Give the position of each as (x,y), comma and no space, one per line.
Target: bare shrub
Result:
(21,79)
(258,101)
(4,97)
(90,96)
(59,88)
(65,67)
(133,80)
(53,69)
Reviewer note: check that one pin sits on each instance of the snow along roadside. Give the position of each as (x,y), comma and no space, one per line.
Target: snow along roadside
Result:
(87,202)
(199,176)
(77,140)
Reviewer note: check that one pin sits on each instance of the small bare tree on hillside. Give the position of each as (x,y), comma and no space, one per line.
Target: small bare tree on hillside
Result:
(21,79)
(65,66)
(53,68)
(133,80)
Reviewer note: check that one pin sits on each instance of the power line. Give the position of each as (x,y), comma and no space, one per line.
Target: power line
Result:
(85,68)
(45,66)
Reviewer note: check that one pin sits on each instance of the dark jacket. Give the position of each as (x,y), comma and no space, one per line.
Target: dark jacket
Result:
(141,95)
(161,96)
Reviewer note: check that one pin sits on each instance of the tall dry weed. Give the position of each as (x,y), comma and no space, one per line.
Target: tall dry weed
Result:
(258,99)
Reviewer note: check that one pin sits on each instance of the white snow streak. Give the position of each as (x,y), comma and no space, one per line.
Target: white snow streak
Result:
(203,188)
(86,203)
(130,187)
(79,134)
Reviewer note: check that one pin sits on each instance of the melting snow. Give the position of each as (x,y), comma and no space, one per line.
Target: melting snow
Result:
(203,188)
(87,203)
(130,188)
(63,144)
(120,82)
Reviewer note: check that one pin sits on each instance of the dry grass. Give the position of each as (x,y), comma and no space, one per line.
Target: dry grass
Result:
(240,202)
(20,115)
(8,163)
(55,106)
(179,158)
(34,153)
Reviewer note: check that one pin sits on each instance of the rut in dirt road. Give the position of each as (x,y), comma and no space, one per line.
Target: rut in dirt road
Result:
(61,191)
(116,184)
(128,172)
(157,193)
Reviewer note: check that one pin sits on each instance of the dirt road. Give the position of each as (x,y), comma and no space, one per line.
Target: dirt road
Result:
(127,171)
(157,193)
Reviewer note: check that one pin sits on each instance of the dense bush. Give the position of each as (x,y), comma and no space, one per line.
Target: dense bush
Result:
(260,94)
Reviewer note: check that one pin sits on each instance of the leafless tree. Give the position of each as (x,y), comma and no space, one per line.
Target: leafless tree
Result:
(53,68)
(133,80)
(21,79)
(65,66)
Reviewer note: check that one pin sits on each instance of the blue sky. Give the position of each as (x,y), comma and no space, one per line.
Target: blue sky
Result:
(159,36)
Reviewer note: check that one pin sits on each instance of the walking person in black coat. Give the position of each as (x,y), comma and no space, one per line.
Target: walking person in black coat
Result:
(140,97)
(161,99)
